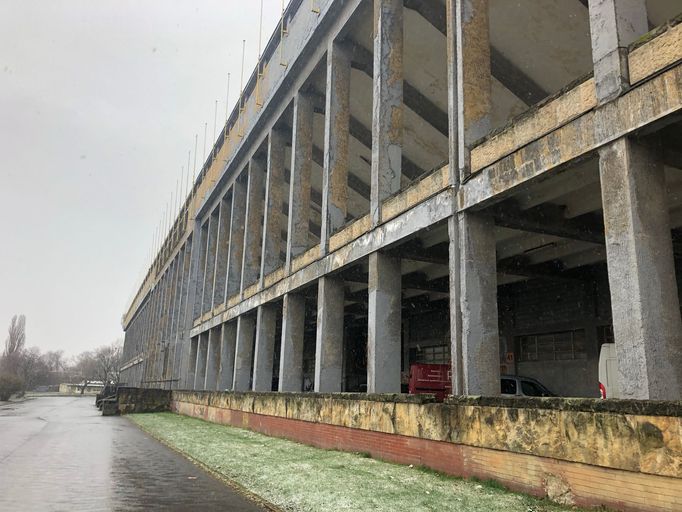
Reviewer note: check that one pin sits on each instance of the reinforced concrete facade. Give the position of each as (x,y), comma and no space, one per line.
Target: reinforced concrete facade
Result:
(489,183)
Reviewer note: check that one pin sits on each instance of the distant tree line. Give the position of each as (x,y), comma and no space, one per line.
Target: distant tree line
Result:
(25,369)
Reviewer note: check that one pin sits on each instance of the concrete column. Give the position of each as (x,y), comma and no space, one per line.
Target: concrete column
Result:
(455,312)
(336,138)
(329,341)
(201,235)
(274,198)
(473,79)
(181,338)
(291,356)
(227,349)
(222,251)
(644,297)
(192,362)
(243,353)
(266,324)
(213,359)
(188,363)
(210,262)
(253,234)
(614,24)
(299,183)
(387,106)
(236,250)
(202,354)
(384,330)
(480,343)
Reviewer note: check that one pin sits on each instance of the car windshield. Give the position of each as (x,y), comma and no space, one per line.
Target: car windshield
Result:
(531,388)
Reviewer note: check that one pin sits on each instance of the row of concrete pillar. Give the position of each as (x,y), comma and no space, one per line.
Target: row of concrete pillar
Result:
(237,248)
(223,357)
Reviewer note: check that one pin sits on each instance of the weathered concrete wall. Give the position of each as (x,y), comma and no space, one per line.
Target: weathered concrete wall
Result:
(582,451)
(136,400)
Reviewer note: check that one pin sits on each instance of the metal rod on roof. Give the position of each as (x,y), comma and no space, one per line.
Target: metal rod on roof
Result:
(227,99)
(182,192)
(175,203)
(241,91)
(260,32)
(282,32)
(215,119)
(241,82)
(189,156)
(205,127)
(194,177)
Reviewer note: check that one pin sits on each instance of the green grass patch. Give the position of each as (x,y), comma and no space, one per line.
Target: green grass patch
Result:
(297,477)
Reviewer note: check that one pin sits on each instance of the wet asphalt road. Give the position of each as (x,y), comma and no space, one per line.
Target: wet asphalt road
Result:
(60,454)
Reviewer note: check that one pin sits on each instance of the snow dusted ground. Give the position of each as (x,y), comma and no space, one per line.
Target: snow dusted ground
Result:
(297,477)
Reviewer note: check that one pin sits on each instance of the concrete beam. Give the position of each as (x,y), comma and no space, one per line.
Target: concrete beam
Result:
(384,324)
(509,75)
(549,219)
(330,335)
(644,295)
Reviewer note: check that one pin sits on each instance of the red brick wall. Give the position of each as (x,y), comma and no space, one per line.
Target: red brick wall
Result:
(589,485)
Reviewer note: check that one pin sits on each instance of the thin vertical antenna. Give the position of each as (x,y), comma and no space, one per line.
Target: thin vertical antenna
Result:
(241,90)
(189,156)
(227,107)
(259,71)
(227,99)
(282,32)
(241,82)
(196,141)
(175,205)
(182,193)
(260,31)
(189,153)
(215,119)
(205,127)
(170,213)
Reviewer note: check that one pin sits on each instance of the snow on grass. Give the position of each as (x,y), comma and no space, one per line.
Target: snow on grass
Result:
(297,477)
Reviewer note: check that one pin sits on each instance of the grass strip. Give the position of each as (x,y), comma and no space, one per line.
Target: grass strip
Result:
(295,477)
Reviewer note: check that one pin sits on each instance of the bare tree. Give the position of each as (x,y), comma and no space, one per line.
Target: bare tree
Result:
(86,368)
(109,362)
(14,344)
(55,360)
(32,368)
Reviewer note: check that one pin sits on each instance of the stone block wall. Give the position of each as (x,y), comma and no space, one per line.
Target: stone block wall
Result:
(626,455)
(137,400)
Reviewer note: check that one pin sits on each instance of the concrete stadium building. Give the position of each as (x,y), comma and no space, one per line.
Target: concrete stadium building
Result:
(493,184)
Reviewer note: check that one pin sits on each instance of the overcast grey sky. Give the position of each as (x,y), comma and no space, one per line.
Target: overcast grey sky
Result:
(99,104)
